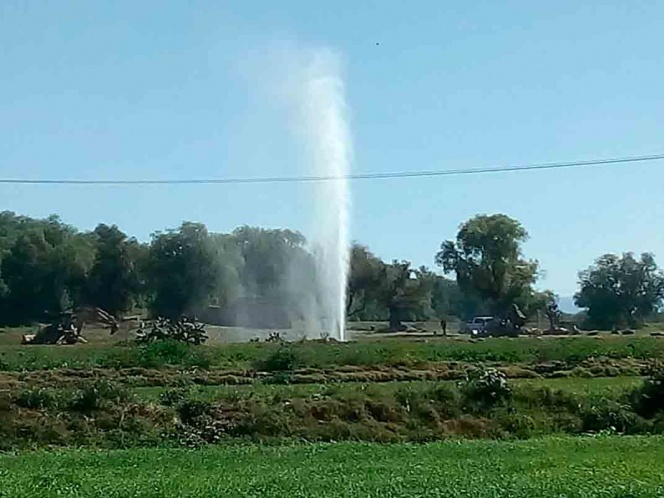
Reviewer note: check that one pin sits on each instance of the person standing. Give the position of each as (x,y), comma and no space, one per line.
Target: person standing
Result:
(443,326)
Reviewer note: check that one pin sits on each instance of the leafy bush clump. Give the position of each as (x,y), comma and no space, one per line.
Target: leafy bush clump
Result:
(173,397)
(608,414)
(486,388)
(98,395)
(648,399)
(172,352)
(36,398)
(192,409)
(181,330)
(283,359)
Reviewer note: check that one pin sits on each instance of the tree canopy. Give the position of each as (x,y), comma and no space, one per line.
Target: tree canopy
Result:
(114,281)
(47,266)
(182,270)
(488,263)
(621,290)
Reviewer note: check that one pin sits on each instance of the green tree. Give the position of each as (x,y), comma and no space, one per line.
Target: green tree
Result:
(406,292)
(487,260)
(275,263)
(113,282)
(365,279)
(447,299)
(44,271)
(276,272)
(620,291)
(230,264)
(182,270)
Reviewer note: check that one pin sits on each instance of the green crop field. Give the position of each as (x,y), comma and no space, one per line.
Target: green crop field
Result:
(312,354)
(566,467)
(402,417)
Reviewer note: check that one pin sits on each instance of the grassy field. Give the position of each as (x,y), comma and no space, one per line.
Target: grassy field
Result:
(564,467)
(312,354)
(106,414)
(582,387)
(120,395)
(489,418)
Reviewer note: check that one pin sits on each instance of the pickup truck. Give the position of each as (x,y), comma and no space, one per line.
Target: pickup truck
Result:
(477,325)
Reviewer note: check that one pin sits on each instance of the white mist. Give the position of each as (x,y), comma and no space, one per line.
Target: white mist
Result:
(322,116)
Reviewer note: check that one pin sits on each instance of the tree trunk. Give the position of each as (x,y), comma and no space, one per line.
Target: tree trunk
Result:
(395,320)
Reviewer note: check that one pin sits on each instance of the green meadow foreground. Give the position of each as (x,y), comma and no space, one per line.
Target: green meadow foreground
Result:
(553,467)
(119,396)
(398,417)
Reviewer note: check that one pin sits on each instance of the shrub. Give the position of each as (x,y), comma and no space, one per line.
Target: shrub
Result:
(175,396)
(648,399)
(446,400)
(36,398)
(607,414)
(180,330)
(546,397)
(192,409)
(430,405)
(486,389)
(172,352)
(283,359)
(519,425)
(97,396)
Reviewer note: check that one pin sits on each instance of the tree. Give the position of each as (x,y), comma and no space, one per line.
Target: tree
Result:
(113,282)
(620,291)
(406,293)
(395,291)
(364,281)
(182,270)
(486,257)
(230,264)
(551,309)
(271,261)
(44,270)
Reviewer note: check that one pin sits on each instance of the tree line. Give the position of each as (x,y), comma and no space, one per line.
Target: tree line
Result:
(47,266)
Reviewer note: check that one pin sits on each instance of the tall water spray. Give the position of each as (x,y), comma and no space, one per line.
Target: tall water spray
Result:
(327,140)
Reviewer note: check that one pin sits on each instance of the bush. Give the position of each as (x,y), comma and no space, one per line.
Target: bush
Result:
(192,409)
(607,414)
(97,396)
(546,397)
(175,396)
(648,399)
(36,398)
(519,425)
(486,389)
(171,352)
(180,330)
(429,405)
(283,359)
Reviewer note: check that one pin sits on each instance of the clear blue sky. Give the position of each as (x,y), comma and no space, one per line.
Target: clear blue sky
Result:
(159,89)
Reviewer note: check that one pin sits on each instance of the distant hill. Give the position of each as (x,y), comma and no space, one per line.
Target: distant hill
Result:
(566,305)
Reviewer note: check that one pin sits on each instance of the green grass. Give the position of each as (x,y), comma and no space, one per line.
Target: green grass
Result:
(584,386)
(104,414)
(612,386)
(317,355)
(573,468)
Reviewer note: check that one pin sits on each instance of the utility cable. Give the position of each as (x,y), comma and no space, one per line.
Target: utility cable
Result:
(357,176)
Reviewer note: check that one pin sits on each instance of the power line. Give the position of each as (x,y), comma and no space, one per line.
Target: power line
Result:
(358,176)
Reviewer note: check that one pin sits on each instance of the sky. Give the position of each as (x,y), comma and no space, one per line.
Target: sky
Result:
(179,90)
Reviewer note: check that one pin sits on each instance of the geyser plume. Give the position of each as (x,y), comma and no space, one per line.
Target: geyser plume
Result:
(323,125)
